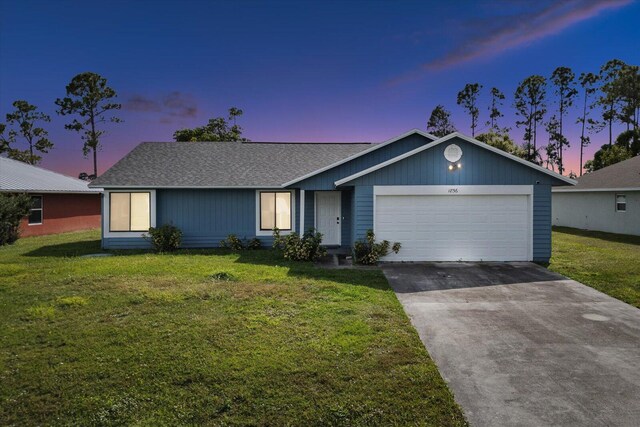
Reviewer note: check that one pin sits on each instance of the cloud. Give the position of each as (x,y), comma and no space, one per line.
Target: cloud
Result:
(493,36)
(174,105)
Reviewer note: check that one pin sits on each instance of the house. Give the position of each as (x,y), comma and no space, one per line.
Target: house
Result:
(605,200)
(59,203)
(453,198)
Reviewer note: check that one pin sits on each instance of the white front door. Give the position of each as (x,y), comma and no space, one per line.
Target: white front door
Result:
(329,216)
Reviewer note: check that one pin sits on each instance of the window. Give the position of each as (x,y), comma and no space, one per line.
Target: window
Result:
(35,212)
(275,210)
(621,203)
(129,212)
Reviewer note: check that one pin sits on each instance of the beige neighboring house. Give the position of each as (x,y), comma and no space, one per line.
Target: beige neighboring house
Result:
(605,200)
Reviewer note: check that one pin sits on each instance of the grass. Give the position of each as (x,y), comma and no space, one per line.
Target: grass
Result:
(607,262)
(206,338)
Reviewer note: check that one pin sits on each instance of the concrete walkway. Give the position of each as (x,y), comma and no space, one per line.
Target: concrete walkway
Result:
(521,346)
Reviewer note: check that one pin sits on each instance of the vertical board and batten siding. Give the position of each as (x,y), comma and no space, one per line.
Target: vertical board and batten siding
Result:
(325,180)
(479,167)
(205,217)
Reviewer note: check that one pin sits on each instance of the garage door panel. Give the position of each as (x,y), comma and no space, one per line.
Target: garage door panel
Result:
(450,228)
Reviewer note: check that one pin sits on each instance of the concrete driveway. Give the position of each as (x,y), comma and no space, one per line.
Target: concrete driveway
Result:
(520,345)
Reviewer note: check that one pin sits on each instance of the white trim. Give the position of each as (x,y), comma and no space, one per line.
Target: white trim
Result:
(315,214)
(615,199)
(588,190)
(447,138)
(301,212)
(451,190)
(265,233)
(41,209)
(362,153)
(124,234)
(463,190)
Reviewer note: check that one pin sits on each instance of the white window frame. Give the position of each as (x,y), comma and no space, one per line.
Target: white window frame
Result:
(616,202)
(106,212)
(41,209)
(264,233)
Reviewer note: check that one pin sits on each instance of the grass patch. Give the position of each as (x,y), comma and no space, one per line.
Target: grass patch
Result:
(205,337)
(607,262)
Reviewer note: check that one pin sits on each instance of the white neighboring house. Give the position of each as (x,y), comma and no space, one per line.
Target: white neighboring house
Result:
(605,200)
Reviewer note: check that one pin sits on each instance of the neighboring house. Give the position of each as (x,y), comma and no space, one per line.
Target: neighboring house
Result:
(452,198)
(605,200)
(59,203)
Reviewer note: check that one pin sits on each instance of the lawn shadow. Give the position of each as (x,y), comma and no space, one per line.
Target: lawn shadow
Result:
(610,237)
(371,278)
(68,249)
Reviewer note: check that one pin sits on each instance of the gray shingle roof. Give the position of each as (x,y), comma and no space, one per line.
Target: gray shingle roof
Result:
(222,164)
(17,176)
(625,174)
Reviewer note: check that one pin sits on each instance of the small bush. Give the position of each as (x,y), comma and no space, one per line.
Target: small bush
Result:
(232,242)
(296,248)
(369,252)
(166,238)
(254,243)
(13,207)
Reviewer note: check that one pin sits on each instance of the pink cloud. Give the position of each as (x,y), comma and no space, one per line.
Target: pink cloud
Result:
(519,30)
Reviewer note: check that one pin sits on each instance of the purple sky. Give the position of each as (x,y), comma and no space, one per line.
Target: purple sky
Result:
(301,71)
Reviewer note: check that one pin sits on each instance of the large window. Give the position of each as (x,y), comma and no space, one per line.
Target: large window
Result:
(621,203)
(35,212)
(129,212)
(275,210)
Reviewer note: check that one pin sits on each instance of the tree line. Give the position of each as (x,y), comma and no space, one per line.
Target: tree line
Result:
(90,104)
(596,101)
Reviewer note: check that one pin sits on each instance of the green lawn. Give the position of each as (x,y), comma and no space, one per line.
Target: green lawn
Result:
(607,262)
(157,340)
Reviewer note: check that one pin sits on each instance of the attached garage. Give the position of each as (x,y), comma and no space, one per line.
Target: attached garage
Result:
(462,223)
(456,199)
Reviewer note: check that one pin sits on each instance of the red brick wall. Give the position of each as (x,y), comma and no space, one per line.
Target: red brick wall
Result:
(65,212)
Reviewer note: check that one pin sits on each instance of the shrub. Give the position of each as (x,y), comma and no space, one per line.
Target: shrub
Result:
(232,242)
(166,238)
(13,207)
(369,252)
(296,248)
(254,243)
(222,276)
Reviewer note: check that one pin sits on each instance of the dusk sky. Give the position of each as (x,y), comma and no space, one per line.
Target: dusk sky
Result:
(300,70)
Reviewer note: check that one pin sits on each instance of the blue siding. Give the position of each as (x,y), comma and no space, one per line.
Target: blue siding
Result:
(541,223)
(326,179)
(479,167)
(309,210)
(205,217)
(363,208)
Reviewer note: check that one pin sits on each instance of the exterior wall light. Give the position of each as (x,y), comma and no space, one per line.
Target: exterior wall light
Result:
(450,167)
(459,165)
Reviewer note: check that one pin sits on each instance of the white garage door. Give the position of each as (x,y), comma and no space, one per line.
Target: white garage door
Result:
(455,227)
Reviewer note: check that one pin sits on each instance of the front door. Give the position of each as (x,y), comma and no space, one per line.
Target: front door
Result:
(328,216)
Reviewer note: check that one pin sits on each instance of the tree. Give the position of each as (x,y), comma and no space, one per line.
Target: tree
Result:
(627,88)
(529,104)
(610,97)
(23,124)
(588,83)
(494,109)
(439,123)
(563,78)
(503,141)
(606,156)
(89,97)
(468,98)
(217,129)
(630,139)
(13,207)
